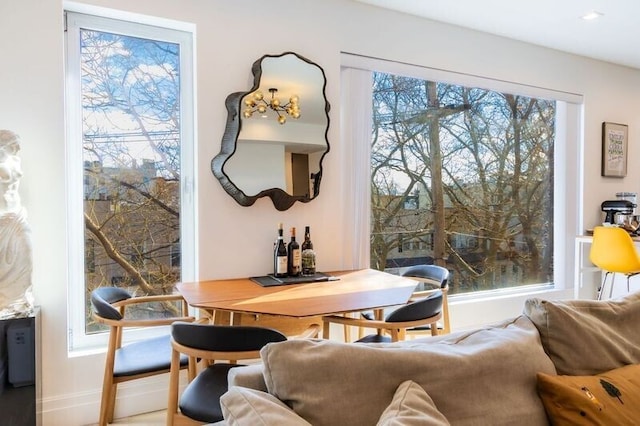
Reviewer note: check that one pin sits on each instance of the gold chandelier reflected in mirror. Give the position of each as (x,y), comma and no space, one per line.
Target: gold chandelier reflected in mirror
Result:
(256,102)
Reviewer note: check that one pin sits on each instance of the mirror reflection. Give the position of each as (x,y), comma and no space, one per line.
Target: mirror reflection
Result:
(281,139)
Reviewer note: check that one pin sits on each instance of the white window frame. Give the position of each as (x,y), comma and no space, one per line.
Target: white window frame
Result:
(79,16)
(356,81)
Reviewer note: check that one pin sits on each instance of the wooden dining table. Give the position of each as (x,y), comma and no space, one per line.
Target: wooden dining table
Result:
(353,291)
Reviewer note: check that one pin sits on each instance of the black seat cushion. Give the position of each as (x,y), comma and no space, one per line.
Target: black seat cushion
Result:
(201,399)
(420,309)
(145,356)
(374,338)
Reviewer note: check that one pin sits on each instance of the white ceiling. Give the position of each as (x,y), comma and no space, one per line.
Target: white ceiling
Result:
(614,37)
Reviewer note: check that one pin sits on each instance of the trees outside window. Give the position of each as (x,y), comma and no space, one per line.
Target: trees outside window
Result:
(130,94)
(469,173)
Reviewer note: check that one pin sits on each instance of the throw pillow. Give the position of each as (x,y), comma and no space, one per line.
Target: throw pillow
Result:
(586,337)
(412,406)
(611,398)
(484,377)
(249,407)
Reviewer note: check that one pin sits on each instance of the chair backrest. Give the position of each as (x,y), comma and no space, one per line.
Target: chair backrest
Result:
(103,297)
(613,250)
(433,273)
(224,338)
(420,309)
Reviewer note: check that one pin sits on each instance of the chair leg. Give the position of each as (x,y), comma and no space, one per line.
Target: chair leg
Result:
(325,329)
(174,379)
(434,329)
(192,369)
(378,314)
(613,280)
(445,314)
(602,286)
(107,389)
(112,403)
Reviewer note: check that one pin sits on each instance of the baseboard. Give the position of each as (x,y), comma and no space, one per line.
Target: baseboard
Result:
(133,398)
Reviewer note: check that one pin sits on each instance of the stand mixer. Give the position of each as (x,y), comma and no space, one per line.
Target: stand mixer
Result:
(621,213)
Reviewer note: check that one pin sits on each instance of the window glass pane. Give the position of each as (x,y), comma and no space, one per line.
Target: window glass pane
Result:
(130,90)
(462,177)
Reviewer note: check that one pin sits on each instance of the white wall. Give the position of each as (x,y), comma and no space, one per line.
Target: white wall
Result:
(255,167)
(236,241)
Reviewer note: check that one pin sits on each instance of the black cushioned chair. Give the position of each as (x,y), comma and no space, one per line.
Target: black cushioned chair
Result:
(200,400)
(427,310)
(432,278)
(135,360)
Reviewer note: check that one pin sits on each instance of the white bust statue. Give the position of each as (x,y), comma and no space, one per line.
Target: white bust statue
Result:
(15,235)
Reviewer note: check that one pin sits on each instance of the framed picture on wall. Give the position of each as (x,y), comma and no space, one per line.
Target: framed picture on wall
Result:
(615,140)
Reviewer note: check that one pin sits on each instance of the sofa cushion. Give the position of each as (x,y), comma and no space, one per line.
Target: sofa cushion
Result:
(247,376)
(482,377)
(611,398)
(586,337)
(411,406)
(250,407)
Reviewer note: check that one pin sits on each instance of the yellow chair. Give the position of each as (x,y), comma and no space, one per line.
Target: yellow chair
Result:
(614,252)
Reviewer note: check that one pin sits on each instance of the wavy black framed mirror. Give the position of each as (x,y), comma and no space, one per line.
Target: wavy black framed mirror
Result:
(275,137)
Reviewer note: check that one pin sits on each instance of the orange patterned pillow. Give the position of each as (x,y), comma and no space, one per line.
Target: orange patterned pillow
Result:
(611,398)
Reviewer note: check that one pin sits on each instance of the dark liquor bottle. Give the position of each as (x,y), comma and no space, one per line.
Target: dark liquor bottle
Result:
(280,256)
(294,259)
(308,255)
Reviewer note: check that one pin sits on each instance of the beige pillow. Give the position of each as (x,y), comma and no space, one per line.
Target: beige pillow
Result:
(411,406)
(586,337)
(483,377)
(611,398)
(249,407)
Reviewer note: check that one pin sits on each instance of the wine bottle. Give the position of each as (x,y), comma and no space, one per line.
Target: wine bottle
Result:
(294,256)
(280,256)
(308,255)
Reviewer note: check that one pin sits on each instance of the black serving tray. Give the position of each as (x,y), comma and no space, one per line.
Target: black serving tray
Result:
(271,281)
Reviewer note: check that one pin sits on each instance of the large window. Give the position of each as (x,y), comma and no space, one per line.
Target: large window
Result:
(130,161)
(462,177)
(480,176)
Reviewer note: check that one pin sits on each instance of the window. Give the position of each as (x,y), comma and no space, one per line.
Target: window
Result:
(482,164)
(483,160)
(131,162)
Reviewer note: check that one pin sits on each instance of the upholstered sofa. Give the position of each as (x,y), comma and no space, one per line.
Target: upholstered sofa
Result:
(544,367)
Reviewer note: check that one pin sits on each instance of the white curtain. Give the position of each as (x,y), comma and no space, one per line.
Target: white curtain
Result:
(356,122)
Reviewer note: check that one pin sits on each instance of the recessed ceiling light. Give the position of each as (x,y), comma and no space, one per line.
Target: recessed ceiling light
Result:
(592,15)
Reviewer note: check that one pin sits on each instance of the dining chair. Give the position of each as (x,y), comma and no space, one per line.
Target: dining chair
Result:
(432,278)
(427,310)
(136,360)
(613,251)
(209,343)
